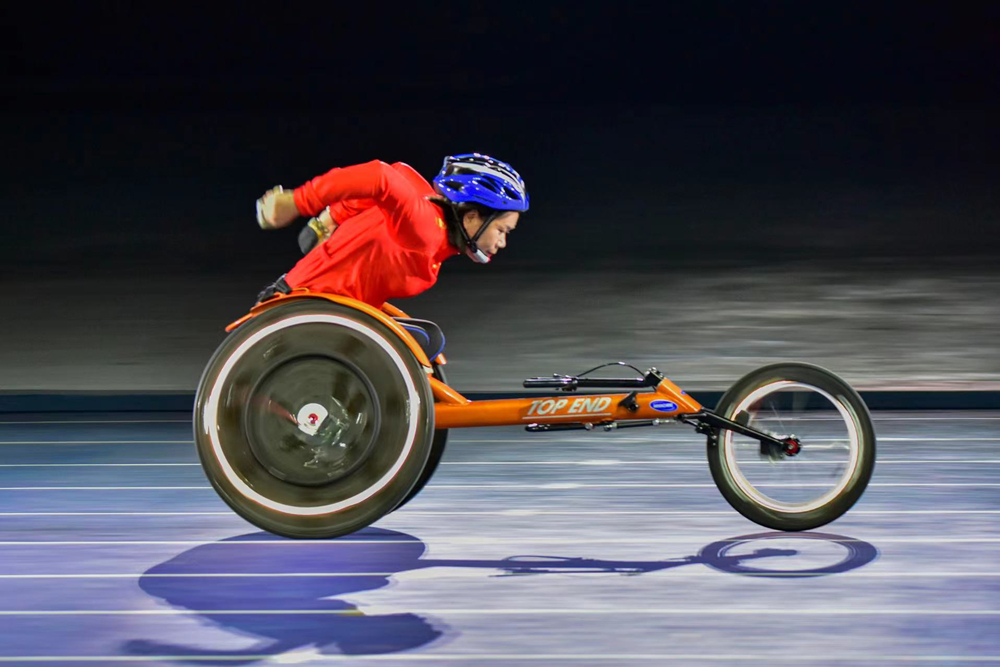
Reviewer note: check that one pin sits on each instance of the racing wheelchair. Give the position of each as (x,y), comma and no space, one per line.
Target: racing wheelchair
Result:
(320,414)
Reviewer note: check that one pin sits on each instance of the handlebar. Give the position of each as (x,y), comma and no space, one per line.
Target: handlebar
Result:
(569,383)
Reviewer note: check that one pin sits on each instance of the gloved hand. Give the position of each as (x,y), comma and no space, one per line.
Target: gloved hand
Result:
(310,235)
(317,230)
(276,208)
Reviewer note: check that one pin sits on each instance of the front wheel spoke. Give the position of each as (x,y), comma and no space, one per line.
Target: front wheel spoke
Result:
(810,479)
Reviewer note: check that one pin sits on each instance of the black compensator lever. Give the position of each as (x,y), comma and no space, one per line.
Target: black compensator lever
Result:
(629,402)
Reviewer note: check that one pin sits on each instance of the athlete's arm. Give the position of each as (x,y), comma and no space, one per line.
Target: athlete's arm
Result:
(373,180)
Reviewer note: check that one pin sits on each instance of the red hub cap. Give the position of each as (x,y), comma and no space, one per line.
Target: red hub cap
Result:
(792,446)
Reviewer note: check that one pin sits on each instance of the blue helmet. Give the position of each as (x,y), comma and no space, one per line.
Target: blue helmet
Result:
(479,179)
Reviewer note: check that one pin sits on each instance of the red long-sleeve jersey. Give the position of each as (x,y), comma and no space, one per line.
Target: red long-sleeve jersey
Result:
(390,241)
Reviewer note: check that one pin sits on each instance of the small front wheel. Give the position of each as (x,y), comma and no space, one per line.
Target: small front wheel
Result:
(831,452)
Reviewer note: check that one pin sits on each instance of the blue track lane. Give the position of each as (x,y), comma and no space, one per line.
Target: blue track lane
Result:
(590,549)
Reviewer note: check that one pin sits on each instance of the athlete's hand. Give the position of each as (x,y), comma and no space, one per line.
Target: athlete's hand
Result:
(317,231)
(276,209)
(326,220)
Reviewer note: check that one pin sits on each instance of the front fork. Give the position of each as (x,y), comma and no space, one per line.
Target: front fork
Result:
(709,424)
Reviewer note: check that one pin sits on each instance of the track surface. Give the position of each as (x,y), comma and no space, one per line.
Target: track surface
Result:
(591,549)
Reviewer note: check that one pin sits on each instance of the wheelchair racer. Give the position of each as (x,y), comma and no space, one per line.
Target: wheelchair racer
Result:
(381,231)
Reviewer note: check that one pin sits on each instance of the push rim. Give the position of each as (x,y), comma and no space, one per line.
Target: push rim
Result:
(215,398)
(831,447)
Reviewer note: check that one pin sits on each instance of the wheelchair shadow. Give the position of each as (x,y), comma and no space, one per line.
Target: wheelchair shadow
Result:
(368,560)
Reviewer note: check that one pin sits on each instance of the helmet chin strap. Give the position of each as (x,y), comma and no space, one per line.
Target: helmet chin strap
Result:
(472,250)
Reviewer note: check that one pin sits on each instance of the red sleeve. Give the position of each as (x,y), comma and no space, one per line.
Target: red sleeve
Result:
(349,208)
(373,180)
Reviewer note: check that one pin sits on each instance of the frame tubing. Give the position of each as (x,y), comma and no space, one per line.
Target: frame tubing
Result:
(585,409)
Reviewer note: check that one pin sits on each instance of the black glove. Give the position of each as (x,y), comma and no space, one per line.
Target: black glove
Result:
(310,235)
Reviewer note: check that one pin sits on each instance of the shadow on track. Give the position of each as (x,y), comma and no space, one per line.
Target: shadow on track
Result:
(368,560)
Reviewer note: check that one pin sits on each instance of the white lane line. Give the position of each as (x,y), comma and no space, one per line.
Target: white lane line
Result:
(592,462)
(505,541)
(369,610)
(651,441)
(619,462)
(566,441)
(230,514)
(98,421)
(522,513)
(557,486)
(105,488)
(882,419)
(548,486)
(678,513)
(925,439)
(452,574)
(905,419)
(305,656)
(98,465)
(96,442)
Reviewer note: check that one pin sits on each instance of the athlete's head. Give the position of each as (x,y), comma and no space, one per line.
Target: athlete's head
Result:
(487,197)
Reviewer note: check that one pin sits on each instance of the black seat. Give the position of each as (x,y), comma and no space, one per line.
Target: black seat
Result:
(427,334)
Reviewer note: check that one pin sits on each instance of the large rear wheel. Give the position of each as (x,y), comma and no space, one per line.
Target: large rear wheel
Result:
(313,420)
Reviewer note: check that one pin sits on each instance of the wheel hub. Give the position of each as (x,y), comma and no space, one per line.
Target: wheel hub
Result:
(312,420)
(792,446)
(310,417)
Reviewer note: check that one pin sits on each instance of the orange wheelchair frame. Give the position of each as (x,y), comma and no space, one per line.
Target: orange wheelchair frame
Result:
(648,401)
(453,410)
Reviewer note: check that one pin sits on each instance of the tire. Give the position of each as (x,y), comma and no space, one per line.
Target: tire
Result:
(313,420)
(767,397)
(437,451)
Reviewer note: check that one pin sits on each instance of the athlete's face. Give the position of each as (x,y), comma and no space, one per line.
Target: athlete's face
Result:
(495,236)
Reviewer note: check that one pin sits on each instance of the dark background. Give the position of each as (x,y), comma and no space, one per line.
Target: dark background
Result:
(643,132)
(651,137)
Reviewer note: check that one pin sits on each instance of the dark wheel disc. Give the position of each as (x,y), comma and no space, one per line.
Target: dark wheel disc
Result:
(313,419)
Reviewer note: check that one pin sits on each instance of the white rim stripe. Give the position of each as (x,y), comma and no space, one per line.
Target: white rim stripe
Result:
(767,501)
(212,408)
